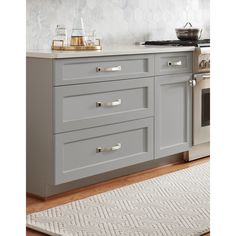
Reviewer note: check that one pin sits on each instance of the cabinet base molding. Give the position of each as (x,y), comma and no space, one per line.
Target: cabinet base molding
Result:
(72,187)
(198,151)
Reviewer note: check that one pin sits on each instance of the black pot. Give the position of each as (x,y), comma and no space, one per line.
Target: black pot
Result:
(188,34)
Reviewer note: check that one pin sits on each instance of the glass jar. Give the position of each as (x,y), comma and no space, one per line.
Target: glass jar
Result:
(77,37)
(60,38)
(91,38)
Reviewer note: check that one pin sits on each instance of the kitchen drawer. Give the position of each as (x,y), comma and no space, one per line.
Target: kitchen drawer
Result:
(87,70)
(89,105)
(89,152)
(173,63)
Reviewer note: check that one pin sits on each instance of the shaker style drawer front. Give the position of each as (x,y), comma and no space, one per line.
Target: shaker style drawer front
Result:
(98,150)
(90,105)
(173,63)
(87,70)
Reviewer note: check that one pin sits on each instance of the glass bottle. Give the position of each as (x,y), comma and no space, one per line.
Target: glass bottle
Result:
(60,38)
(78,34)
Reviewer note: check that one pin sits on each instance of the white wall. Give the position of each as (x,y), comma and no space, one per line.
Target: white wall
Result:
(116,21)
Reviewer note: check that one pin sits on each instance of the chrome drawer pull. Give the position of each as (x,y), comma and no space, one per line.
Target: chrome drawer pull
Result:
(174,63)
(109,104)
(110,149)
(108,69)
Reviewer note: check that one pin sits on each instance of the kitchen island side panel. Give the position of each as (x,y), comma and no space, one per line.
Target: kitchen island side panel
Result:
(39,141)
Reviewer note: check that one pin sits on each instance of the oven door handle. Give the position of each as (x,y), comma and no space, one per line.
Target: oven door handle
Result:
(199,77)
(206,76)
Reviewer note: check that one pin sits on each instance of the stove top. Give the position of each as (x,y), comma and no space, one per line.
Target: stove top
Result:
(198,43)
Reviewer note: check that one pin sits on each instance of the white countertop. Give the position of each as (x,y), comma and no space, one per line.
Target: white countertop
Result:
(108,51)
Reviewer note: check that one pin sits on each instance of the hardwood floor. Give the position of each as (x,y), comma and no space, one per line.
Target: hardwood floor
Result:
(33,204)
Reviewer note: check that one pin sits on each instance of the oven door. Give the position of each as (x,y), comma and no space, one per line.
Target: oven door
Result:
(201,109)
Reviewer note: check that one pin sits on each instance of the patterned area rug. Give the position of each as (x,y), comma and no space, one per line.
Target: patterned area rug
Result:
(176,204)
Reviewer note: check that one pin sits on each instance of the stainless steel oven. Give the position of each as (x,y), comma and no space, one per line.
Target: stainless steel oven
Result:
(201,105)
(201,109)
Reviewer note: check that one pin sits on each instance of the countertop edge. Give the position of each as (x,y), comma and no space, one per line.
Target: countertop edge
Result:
(142,50)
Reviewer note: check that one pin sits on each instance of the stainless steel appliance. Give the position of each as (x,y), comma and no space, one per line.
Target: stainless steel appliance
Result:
(201,104)
(197,43)
(201,95)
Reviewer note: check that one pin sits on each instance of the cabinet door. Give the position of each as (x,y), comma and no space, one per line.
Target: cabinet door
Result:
(173,120)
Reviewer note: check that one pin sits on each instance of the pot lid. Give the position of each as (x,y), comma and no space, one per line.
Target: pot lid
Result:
(186,27)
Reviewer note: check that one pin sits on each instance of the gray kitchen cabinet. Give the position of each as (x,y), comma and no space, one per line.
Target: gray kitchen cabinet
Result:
(90,119)
(173,115)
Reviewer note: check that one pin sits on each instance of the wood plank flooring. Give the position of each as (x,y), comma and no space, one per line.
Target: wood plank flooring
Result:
(33,204)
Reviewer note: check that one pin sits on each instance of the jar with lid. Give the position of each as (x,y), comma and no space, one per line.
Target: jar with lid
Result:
(60,38)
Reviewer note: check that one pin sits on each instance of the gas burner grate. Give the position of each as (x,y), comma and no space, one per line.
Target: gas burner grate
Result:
(198,43)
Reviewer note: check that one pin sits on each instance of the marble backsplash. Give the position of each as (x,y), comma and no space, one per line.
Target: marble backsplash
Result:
(115,21)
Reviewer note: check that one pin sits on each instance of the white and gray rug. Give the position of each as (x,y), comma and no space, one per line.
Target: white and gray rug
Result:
(176,204)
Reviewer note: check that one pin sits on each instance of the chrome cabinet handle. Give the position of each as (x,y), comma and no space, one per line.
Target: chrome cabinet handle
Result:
(174,63)
(192,83)
(109,104)
(109,149)
(108,69)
